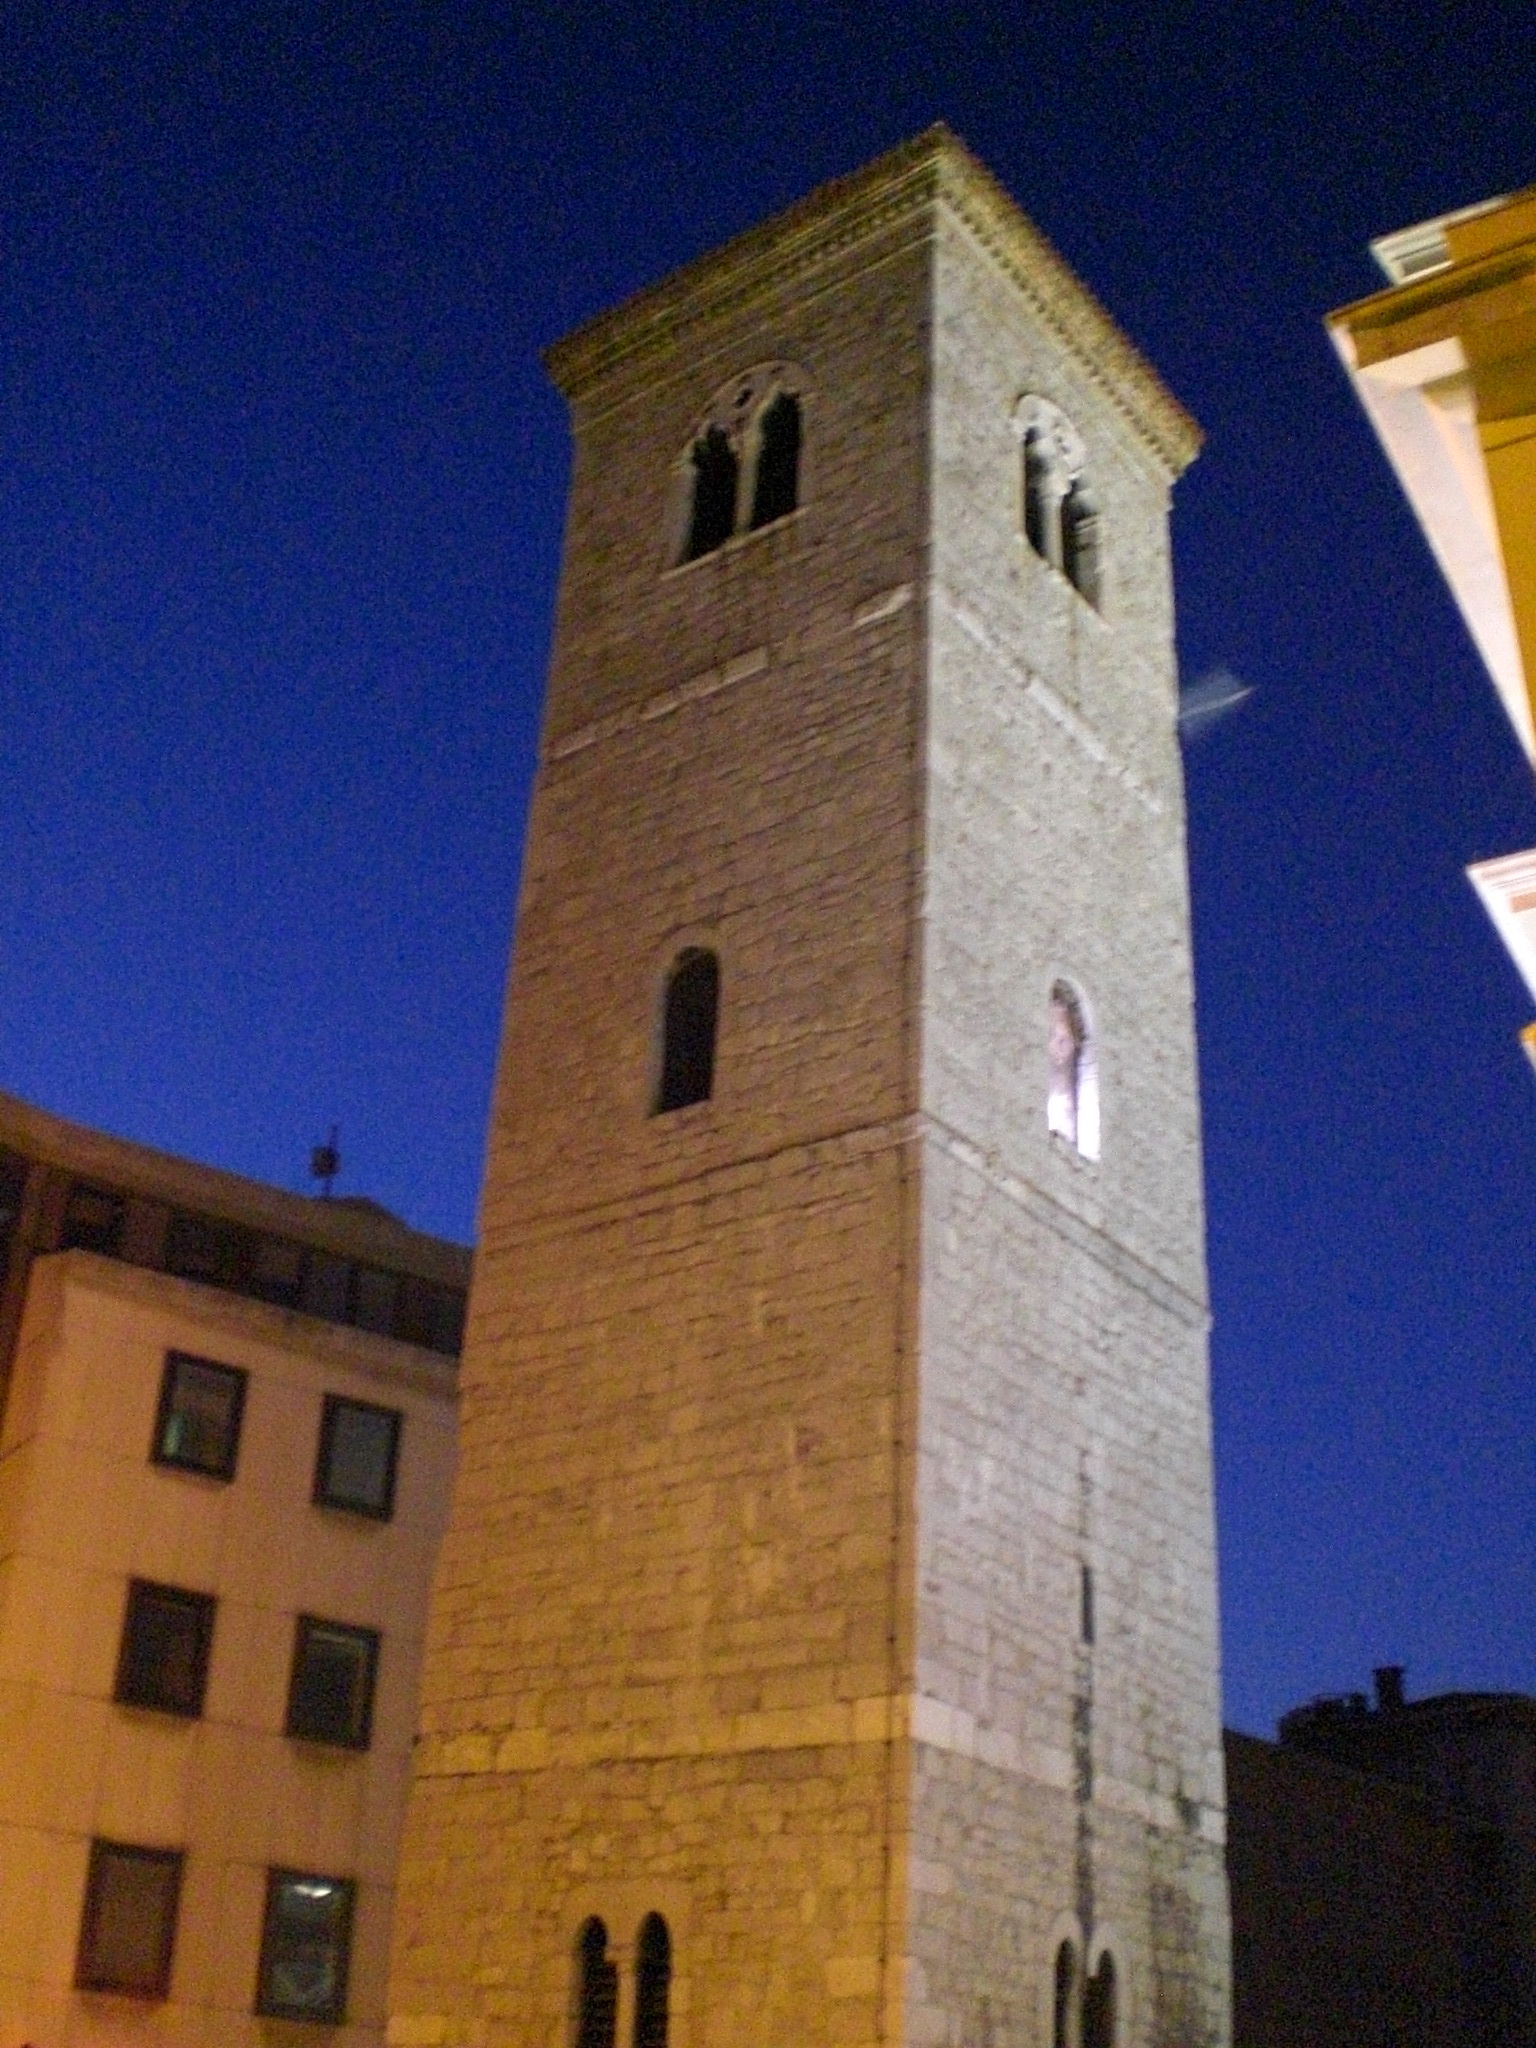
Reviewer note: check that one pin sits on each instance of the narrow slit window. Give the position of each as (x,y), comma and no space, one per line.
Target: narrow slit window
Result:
(1062,1996)
(775,488)
(653,1979)
(690,1018)
(1072,1097)
(597,1988)
(715,471)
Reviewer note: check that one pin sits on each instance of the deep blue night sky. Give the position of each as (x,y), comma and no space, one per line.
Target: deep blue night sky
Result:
(279,526)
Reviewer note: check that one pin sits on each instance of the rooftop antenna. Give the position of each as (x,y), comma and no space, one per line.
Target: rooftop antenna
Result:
(325,1162)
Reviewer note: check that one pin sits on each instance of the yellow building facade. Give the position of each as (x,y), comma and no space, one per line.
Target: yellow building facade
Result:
(1444,363)
(226,1447)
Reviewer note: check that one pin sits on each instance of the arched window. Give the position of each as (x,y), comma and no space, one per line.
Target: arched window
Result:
(1080,542)
(1042,499)
(741,469)
(1061,521)
(1099,2005)
(597,1988)
(653,1977)
(713,518)
(1072,1097)
(689,1019)
(1064,1998)
(775,485)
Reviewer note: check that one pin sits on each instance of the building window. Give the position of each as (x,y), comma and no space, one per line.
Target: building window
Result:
(715,479)
(167,1638)
(208,1249)
(93,1221)
(1064,1997)
(306,1943)
(690,1016)
(1099,2005)
(1072,1096)
(653,1978)
(597,1988)
(359,1454)
(128,1927)
(197,1425)
(742,468)
(776,481)
(1061,521)
(330,1696)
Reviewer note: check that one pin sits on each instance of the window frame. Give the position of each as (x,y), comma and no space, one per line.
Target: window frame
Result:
(222,1469)
(306,1629)
(322,1492)
(265,2006)
(142,1594)
(103,1853)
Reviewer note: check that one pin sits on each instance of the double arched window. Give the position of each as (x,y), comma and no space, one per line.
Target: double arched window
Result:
(1061,520)
(596,2016)
(1084,2012)
(690,1019)
(742,467)
(1072,1092)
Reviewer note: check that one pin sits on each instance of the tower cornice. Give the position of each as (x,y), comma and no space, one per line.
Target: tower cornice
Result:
(932,169)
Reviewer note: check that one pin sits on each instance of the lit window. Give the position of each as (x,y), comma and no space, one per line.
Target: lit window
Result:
(690,1015)
(1072,1096)
(597,1988)
(128,1927)
(163,1659)
(359,1451)
(653,1978)
(198,1423)
(330,1696)
(306,1941)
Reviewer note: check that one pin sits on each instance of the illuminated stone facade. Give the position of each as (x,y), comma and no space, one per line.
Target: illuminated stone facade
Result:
(831,1566)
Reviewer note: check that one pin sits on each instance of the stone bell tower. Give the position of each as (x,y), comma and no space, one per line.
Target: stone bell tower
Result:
(825,1637)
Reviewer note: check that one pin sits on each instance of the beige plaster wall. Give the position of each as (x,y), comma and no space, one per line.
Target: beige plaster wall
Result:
(83,1509)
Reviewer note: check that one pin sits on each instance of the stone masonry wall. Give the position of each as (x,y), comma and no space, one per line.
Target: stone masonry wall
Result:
(1066,1785)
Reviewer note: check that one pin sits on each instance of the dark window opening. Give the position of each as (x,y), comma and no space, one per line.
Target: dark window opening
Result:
(690,1017)
(330,1696)
(713,519)
(13,1188)
(128,1927)
(167,1638)
(198,1423)
(207,1249)
(277,1272)
(1039,497)
(306,1946)
(1087,1603)
(1061,2002)
(359,1455)
(1099,2006)
(93,1221)
(373,1300)
(597,1988)
(1080,544)
(653,1978)
(776,485)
